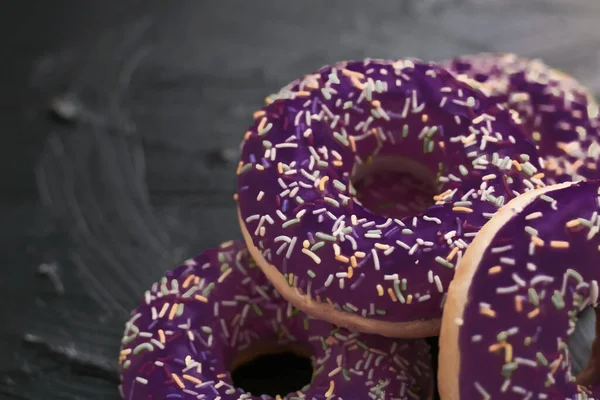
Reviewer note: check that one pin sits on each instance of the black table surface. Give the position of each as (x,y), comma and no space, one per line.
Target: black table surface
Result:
(121,123)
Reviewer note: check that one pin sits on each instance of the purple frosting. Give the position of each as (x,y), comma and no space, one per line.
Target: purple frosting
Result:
(559,114)
(536,275)
(298,203)
(181,340)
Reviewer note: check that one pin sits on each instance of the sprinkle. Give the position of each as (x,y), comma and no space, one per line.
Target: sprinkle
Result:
(559,244)
(442,261)
(331,388)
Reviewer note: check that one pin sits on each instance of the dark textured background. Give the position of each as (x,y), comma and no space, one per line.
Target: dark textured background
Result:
(120,129)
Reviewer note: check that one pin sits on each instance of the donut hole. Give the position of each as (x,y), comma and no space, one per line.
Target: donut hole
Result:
(270,368)
(394,186)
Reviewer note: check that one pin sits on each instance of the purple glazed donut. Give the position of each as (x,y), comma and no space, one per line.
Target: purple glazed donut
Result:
(218,310)
(559,114)
(300,213)
(516,297)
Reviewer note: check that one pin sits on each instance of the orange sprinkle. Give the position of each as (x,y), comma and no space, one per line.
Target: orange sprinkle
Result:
(178,381)
(382,246)
(239,168)
(349,73)
(358,84)
(337,163)
(187,281)
(556,364)
(517,165)
(487,311)
(409,299)
(441,195)
(495,347)
(376,103)
(539,175)
(261,124)
(559,244)
(537,241)
(573,223)
(350,272)
(291,279)
(424,117)
(518,303)
(495,270)
(192,379)
(201,298)
(462,209)
(302,93)
(352,143)
(235,196)
(380,290)
(247,135)
(353,262)
(508,352)
(258,114)
(342,258)
(224,275)
(331,388)
(533,313)
(222,375)
(452,254)
(322,183)
(392,295)
(161,336)
(173,311)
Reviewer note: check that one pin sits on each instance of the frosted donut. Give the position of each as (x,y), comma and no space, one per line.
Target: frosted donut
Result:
(516,297)
(218,310)
(323,250)
(559,113)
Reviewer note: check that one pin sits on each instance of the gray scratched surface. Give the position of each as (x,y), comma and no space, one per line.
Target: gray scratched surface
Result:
(121,121)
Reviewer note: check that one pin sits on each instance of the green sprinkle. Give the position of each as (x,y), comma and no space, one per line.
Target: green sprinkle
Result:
(547,198)
(142,347)
(207,329)
(397,291)
(532,231)
(126,364)
(575,275)
(463,170)
(527,341)
(323,343)
(245,168)
(320,369)
(322,164)
(208,289)
(339,185)
(405,131)
(180,309)
(375,114)
(324,236)
(290,222)
(334,78)
(345,374)
(189,292)
(379,311)
(299,200)
(265,130)
(257,310)
(407,231)
(362,344)
(444,262)
(404,284)
(432,131)
(379,86)
(224,267)
(557,300)
(129,339)
(502,336)
(507,369)
(340,138)
(311,273)
(317,246)
(230,391)
(347,105)
(541,359)
(533,297)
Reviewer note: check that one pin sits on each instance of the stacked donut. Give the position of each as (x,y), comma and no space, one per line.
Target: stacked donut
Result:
(360,189)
